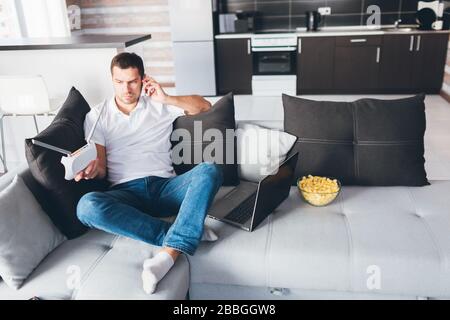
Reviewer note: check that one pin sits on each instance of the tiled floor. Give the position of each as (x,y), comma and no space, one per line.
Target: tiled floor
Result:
(268,111)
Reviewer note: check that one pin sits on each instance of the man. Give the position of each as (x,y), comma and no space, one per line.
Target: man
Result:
(133,146)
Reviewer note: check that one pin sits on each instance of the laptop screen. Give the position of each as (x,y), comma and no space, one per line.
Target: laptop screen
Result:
(273,189)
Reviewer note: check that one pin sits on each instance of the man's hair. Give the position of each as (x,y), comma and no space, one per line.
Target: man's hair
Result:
(127,60)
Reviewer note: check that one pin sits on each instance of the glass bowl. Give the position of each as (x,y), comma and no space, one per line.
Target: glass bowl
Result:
(319,199)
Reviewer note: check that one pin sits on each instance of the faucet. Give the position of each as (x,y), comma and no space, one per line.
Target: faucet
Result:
(397,23)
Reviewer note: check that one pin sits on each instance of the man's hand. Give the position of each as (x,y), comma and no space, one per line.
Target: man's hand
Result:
(91,171)
(96,168)
(190,104)
(153,89)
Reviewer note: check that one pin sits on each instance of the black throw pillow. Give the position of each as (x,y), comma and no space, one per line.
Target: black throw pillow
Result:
(367,142)
(220,146)
(61,196)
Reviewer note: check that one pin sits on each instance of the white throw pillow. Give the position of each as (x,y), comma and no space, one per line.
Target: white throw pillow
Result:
(260,150)
(27,234)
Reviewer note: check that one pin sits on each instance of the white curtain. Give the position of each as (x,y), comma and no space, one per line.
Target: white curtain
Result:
(37,18)
(9,22)
(45,18)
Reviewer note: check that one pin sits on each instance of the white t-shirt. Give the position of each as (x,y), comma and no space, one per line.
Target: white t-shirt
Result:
(137,145)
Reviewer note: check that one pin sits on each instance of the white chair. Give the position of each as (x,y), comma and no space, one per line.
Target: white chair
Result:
(23,96)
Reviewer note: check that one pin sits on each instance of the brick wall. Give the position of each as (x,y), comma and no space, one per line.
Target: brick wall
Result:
(70,2)
(134,17)
(446,85)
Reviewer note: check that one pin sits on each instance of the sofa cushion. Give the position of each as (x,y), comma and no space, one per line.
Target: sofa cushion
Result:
(191,146)
(339,247)
(61,196)
(389,142)
(118,275)
(26,233)
(99,265)
(366,142)
(260,150)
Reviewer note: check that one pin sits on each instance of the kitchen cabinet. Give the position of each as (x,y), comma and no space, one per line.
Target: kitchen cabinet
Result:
(234,66)
(388,63)
(397,62)
(315,64)
(357,64)
(413,63)
(429,62)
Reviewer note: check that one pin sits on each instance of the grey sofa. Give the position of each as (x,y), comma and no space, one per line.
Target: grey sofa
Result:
(373,242)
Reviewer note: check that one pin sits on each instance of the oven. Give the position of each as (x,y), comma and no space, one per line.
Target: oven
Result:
(279,62)
(274,64)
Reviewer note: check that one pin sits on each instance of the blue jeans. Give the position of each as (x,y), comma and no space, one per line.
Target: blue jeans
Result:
(132,209)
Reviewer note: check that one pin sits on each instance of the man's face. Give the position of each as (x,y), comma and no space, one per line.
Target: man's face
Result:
(127,84)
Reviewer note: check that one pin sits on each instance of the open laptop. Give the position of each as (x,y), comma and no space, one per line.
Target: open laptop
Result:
(247,205)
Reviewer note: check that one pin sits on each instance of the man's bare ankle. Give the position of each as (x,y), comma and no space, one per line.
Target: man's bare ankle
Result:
(173,252)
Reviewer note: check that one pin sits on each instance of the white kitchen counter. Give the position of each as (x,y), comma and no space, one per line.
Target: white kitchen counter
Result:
(331,32)
(80,61)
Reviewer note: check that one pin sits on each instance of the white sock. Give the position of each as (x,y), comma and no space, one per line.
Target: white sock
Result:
(155,269)
(209,234)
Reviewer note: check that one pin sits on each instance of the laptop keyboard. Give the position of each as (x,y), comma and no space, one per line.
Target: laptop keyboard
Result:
(243,212)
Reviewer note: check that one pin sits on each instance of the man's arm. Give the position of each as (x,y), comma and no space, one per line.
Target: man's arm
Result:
(190,104)
(96,168)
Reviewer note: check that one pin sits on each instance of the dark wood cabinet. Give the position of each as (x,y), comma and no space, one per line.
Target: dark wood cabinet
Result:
(357,64)
(397,62)
(315,64)
(413,63)
(234,66)
(389,63)
(429,62)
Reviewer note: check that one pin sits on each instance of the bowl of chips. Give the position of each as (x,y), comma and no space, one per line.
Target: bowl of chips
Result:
(318,191)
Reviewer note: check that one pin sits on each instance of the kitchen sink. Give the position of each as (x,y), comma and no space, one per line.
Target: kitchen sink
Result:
(399,29)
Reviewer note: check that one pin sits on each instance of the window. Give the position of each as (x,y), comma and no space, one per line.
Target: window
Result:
(9,24)
(34,18)
(3,20)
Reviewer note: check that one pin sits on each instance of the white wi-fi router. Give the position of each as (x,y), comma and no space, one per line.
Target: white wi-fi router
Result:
(78,160)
